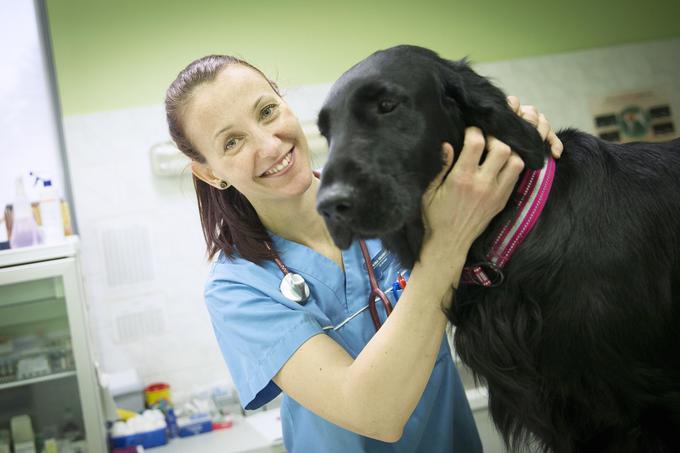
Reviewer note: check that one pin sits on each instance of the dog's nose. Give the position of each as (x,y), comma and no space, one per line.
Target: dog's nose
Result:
(335,202)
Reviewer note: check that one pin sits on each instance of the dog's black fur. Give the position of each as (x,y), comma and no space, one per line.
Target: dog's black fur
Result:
(579,345)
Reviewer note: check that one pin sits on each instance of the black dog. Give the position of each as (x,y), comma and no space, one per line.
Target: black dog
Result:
(579,345)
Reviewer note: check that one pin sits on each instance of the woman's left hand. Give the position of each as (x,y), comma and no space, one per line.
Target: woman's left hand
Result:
(532,115)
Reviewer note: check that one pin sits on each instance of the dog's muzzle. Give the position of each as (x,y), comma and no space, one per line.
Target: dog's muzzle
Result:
(336,203)
(337,206)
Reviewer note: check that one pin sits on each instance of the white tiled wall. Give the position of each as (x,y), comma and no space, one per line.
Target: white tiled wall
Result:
(563,85)
(153,317)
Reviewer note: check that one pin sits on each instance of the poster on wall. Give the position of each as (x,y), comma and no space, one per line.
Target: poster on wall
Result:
(634,116)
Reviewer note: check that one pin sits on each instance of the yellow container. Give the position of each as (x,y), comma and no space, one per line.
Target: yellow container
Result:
(156,392)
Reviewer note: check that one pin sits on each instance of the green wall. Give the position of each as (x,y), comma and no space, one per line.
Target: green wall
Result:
(123,53)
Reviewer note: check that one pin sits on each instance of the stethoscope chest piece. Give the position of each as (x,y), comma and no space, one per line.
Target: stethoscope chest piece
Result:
(295,288)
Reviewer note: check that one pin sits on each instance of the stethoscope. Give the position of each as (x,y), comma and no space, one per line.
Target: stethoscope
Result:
(294,287)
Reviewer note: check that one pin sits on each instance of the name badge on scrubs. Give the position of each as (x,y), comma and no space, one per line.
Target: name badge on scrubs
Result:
(381,261)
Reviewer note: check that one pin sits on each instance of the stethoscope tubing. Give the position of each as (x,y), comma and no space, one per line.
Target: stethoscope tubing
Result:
(353,315)
(375,293)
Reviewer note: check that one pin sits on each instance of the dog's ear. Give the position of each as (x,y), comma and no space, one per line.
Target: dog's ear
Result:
(485,106)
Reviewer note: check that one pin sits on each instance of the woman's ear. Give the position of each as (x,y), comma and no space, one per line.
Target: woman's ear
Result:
(205,174)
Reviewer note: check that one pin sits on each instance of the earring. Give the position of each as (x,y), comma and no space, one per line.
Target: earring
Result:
(224,184)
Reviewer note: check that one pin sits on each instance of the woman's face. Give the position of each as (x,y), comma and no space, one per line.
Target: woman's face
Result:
(248,135)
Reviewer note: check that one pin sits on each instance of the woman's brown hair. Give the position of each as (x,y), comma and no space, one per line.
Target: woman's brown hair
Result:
(230,223)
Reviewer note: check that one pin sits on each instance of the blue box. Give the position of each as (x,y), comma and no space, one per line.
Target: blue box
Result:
(194,425)
(148,439)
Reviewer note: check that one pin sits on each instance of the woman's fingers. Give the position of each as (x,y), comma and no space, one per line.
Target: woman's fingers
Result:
(497,156)
(513,102)
(473,147)
(529,113)
(556,146)
(471,194)
(543,126)
(547,134)
(509,174)
(447,160)
(533,116)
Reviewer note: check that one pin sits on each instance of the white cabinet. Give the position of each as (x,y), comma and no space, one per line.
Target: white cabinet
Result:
(46,364)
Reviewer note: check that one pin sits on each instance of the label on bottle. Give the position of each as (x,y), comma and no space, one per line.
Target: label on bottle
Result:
(52,221)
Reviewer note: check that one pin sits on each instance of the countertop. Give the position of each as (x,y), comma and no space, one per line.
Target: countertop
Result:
(258,433)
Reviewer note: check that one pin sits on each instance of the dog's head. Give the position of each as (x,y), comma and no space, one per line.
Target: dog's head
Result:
(385,120)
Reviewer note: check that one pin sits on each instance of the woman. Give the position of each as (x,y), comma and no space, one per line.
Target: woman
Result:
(347,387)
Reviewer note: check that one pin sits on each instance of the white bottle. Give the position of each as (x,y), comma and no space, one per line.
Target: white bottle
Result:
(50,214)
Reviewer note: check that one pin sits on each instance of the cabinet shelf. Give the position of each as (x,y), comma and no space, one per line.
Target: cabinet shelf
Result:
(47,377)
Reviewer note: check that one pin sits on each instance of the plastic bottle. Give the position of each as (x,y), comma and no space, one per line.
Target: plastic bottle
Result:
(4,238)
(25,230)
(50,213)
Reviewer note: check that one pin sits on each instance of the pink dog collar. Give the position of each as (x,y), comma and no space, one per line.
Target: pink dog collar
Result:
(530,199)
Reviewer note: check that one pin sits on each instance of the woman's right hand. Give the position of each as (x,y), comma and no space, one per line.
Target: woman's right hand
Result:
(459,204)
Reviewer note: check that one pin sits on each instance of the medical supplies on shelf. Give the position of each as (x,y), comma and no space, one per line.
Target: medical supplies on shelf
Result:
(147,429)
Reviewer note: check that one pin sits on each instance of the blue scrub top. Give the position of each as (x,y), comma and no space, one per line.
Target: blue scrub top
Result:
(258,330)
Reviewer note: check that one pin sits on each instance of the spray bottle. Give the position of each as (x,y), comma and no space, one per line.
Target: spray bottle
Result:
(25,230)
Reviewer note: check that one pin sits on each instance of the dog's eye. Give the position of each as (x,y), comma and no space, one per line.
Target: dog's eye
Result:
(386,105)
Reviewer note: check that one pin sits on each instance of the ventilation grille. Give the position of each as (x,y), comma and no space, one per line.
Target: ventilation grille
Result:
(127,255)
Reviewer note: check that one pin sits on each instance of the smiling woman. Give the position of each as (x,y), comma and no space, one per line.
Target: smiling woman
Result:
(227,164)
(261,133)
